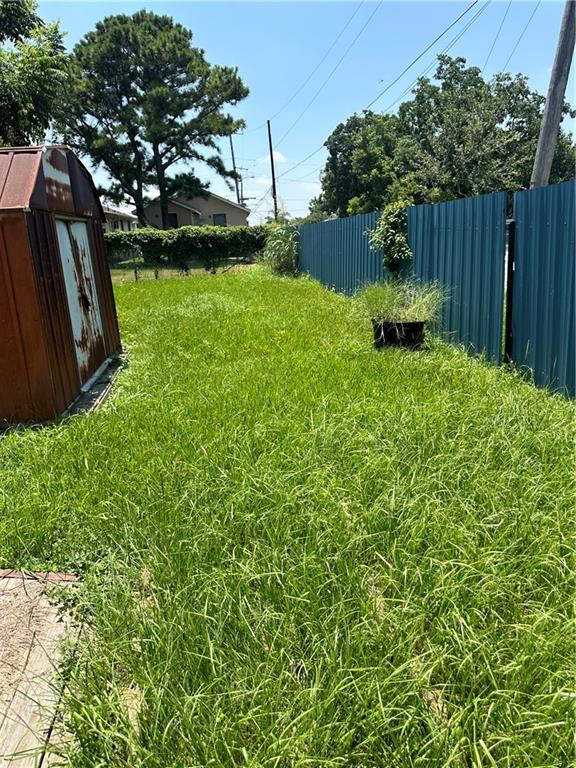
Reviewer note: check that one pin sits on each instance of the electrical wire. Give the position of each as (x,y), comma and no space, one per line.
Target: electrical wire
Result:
(448,28)
(522,34)
(332,72)
(297,165)
(497,34)
(316,68)
(432,64)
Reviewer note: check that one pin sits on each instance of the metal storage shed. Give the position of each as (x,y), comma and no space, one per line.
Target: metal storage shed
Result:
(58,321)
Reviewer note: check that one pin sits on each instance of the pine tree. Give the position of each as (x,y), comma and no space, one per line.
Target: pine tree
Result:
(145,100)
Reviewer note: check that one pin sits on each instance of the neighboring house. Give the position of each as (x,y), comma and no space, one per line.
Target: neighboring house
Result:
(116,219)
(212,211)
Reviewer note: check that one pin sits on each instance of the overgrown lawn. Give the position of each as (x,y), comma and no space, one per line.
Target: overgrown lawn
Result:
(298,551)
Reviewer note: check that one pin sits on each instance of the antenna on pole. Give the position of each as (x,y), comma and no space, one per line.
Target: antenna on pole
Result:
(274,197)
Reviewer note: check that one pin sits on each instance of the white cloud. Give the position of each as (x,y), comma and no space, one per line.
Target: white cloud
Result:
(262,181)
(278,158)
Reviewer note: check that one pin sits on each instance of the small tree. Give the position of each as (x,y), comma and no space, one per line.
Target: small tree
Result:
(144,100)
(389,236)
(32,73)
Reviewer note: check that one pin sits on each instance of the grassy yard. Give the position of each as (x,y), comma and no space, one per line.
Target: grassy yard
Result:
(298,551)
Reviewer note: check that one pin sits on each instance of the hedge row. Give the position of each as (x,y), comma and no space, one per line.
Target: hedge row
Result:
(179,247)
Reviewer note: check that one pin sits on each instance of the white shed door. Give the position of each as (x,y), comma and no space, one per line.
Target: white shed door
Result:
(85,317)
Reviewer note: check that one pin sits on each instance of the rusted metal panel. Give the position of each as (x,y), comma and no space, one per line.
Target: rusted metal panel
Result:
(19,179)
(83,304)
(104,289)
(26,391)
(52,293)
(86,201)
(57,180)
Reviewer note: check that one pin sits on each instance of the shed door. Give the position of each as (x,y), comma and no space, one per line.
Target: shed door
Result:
(82,297)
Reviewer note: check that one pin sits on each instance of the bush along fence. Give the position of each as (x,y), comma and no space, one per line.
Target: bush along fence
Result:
(518,275)
(180,248)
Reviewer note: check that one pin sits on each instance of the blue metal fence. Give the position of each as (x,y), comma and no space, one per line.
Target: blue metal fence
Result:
(543,317)
(338,252)
(461,244)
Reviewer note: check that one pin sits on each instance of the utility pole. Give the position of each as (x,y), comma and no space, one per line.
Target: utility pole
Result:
(234,167)
(273,173)
(555,99)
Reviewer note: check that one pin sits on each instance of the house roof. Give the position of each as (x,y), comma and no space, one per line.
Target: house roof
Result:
(230,202)
(109,211)
(177,201)
(49,178)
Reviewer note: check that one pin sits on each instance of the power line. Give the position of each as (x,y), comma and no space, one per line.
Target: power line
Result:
(522,34)
(450,45)
(332,72)
(315,152)
(322,60)
(258,203)
(497,34)
(448,28)
(316,68)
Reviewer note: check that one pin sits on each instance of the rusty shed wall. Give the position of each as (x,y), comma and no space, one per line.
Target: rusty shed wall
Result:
(26,393)
(52,295)
(104,288)
(39,366)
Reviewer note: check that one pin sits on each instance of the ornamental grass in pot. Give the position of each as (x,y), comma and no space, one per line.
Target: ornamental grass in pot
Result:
(399,310)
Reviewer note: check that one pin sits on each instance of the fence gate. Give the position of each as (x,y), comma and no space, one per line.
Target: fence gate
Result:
(338,254)
(543,317)
(461,244)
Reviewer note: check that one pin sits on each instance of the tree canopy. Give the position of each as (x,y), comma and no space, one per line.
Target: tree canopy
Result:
(32,73)
(144,103)
(458,136)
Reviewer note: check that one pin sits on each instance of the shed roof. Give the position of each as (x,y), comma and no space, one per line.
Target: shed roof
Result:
(50,178)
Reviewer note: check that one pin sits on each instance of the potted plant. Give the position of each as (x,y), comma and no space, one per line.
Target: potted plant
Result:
(399,310)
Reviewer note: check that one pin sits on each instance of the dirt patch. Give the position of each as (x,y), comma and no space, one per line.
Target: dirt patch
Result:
(32,628)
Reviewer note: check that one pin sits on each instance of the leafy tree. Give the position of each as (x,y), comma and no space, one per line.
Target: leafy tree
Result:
(465,136)
(360,172)
(32,73)
(145,100)
(458,136)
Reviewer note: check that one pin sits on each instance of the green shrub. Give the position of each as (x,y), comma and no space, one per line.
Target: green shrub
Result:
(389,236)
(402,301)
(181,246)
(281,249)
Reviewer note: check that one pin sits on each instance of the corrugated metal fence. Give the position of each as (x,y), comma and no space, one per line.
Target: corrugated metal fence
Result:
(543,317)
(461,244)
(338,253)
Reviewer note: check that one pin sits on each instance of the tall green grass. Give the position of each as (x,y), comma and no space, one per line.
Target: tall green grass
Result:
(298,551)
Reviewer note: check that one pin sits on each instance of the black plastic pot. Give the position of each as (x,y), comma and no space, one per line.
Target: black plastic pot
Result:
(408,335)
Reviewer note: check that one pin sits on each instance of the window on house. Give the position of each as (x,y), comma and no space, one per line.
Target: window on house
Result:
(219,219)
(172,220)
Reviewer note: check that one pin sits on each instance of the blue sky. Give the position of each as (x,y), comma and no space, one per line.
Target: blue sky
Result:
(277,46)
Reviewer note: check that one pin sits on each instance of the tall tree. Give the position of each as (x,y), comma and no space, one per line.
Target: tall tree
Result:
(458,136)
(144,101)
(32,73)
(465,136)
(360,175)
